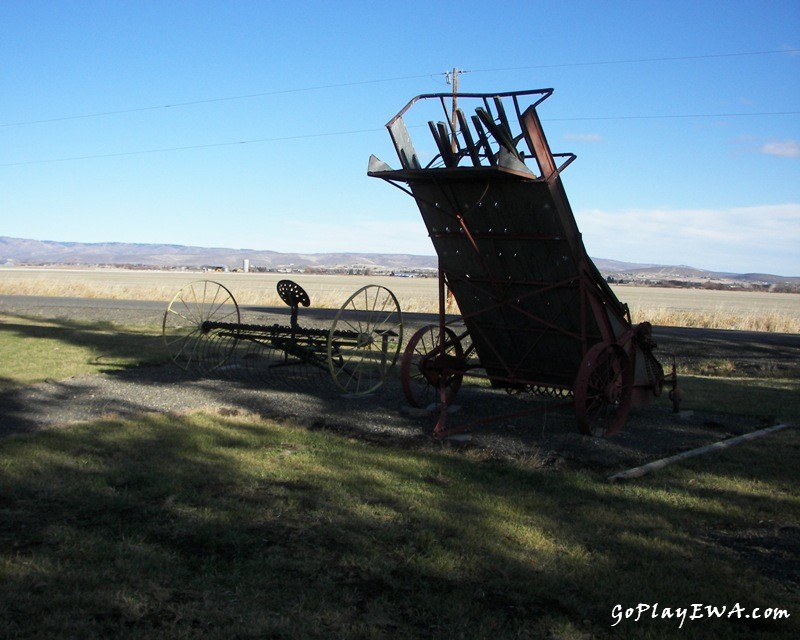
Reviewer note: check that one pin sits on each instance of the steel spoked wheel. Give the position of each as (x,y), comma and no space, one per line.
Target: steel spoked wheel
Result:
(603,390)
(428,365)
(364,340)
(193,339)
(256,360)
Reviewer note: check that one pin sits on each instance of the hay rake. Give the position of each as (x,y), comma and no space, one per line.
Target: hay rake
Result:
(203,333)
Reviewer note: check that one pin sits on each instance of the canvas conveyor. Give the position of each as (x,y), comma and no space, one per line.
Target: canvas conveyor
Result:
(535,313)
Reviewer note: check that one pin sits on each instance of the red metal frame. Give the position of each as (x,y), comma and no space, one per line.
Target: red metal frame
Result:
(534,304)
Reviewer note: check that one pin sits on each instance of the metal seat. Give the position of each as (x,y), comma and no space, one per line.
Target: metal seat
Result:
(293,295)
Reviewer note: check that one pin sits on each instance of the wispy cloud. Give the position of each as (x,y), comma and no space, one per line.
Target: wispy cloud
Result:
(759,239)
(783,149)
(744,239)
(390,235)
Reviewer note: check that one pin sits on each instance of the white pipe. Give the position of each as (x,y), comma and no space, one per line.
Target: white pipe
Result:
(637,472)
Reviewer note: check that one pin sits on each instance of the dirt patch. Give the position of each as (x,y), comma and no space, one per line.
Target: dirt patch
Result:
(769,549)
(383,416)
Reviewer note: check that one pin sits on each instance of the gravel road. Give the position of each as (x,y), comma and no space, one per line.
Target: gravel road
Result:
(549,437)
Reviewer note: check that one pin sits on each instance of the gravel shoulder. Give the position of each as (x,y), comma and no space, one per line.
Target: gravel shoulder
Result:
(546,436)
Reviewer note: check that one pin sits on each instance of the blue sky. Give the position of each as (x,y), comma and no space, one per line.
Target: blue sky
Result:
(250,124)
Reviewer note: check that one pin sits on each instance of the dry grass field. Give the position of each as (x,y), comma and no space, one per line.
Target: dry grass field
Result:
(756,311)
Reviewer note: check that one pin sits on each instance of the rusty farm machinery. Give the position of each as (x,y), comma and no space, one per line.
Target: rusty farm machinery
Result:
(203,333)
(535,315)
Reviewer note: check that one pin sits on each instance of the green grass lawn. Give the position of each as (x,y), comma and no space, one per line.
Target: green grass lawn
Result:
(773,399)
(232,527)
(208,526)
(33,350)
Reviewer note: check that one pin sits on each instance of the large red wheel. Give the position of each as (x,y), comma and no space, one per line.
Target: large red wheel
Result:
(603,390)
(427,365)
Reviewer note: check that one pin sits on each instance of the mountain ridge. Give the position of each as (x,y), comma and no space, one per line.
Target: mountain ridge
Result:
(22,251)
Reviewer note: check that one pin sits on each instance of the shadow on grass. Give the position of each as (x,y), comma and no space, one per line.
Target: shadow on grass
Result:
(105,343)
(772,400)
(171,526)
(54,352)
(209,527)
(729,352)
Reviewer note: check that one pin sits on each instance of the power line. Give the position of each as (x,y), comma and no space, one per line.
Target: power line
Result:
(189,147)
(358,131)
(638,60)
(211,100)
(385,80)
(677,115)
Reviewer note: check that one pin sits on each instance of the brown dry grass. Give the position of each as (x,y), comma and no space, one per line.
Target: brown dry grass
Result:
(753,311)
(773,321)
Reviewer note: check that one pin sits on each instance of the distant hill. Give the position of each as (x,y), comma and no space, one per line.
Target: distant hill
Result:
(19,251)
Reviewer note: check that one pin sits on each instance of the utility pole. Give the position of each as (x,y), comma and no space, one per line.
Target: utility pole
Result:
(453,80)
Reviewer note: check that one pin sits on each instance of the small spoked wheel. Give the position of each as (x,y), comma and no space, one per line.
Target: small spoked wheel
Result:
(430,364)
(199,326)
(603,390)
(364,340)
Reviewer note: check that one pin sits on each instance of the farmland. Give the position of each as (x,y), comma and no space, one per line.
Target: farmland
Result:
(756,311)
